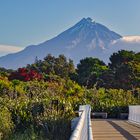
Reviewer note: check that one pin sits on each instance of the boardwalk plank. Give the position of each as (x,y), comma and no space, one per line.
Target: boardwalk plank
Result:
(114,130)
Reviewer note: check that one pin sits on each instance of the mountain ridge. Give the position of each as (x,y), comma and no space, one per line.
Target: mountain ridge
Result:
(85,38)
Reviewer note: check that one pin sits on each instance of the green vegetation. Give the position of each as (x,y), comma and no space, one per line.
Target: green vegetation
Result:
(89,70)
(39,101)
(123,71)
(112,101)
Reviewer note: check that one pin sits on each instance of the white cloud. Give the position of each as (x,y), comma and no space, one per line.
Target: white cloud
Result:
(131,43)
(6,49)
(127,39)
(133,39)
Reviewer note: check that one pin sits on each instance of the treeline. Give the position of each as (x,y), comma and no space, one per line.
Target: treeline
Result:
(123,71)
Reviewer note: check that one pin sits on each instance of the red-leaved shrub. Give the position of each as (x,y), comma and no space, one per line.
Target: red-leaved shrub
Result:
(24,74)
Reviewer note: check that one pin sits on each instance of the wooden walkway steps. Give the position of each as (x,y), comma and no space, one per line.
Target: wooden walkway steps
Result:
(114,130)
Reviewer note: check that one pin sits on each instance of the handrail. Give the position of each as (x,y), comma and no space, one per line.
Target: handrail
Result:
(134,114)
(83,130)
(89,126)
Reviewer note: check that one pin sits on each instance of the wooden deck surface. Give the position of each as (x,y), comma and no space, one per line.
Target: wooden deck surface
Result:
(114,130)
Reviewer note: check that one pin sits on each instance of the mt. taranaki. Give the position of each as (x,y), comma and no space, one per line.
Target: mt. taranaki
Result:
(84,39)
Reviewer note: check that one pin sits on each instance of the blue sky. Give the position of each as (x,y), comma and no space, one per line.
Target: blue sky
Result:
(25,22)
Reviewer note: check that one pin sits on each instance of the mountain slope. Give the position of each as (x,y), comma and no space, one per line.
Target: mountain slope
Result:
(86,38)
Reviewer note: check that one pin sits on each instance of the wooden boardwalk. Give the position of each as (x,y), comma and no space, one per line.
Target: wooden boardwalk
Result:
(114,130)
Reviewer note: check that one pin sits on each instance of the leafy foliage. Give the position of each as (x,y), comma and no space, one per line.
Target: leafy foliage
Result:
(24,74)
(6,124)
(54,65)
(112,101)
(124,71)
(28,106)
(89,70)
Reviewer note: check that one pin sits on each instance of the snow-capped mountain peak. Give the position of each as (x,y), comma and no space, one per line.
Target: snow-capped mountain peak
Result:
(85,38)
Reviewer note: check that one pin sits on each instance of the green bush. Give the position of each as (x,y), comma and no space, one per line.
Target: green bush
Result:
(6,124)
(112,101)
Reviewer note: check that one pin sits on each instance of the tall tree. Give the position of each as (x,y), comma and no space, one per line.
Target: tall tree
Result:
(125,65)
(51,65)
(89,70)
